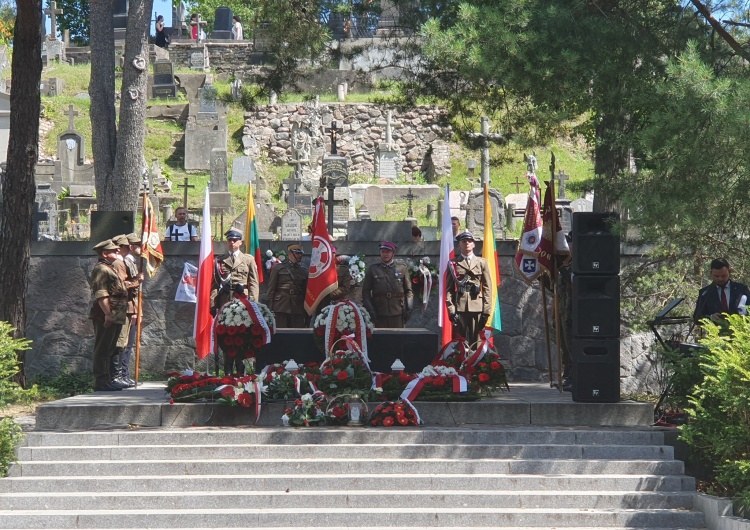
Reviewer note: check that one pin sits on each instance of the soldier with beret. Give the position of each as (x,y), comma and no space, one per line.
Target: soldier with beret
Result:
(468,287)
(132,281)
(287,285)
(234,272)
(386,290)
(108,314)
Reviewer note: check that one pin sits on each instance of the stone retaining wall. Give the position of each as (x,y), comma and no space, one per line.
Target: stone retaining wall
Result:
(270,127)
(58,305)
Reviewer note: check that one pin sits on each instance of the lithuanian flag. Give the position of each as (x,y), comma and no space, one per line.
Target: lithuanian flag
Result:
(252,241)
(489,252)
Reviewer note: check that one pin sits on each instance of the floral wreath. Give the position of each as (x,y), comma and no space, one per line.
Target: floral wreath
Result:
(343,320)
(424,279)
(243,327)
(270,258)
(357,267)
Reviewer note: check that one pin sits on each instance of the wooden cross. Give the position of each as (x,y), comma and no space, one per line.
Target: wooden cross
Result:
(185,186)
(292,183)
(334,134)
(561,177)
(52,12)
(486,137)
(71,113)
(409,197)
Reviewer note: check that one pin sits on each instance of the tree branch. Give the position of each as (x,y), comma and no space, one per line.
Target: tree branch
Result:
(724,34)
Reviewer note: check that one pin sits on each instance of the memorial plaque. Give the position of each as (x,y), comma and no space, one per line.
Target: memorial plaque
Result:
(243,170)
(164,85)
(196,60)
(303,204)
(291,226)
(387,165)
(335,171)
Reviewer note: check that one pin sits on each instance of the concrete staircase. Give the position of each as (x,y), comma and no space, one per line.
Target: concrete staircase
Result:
(336,478)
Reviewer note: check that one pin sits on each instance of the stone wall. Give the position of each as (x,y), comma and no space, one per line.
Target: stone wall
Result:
(58,305)
(270,127)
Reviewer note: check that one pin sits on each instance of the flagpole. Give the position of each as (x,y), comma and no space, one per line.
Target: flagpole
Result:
(555,300)
(139,308)
(546,330)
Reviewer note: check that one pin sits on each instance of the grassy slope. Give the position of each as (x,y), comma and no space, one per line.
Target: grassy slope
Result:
(508,165)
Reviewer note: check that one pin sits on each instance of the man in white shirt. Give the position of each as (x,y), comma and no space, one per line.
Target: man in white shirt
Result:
(181,230)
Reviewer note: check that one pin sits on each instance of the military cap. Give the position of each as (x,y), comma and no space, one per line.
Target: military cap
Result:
(295,248)
(233,233)
(134,239)
(107,244)
(465,235)
(121,240)
(387,245)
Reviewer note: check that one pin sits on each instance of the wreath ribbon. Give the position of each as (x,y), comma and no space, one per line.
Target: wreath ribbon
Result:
(426,284)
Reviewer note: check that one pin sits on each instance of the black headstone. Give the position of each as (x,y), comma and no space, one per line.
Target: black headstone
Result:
(164,85)
(120,15)
(378,230)
(106,225)
(222,23)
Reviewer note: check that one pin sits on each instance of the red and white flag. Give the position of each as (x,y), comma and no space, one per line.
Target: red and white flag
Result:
(203,323)
(550,246)
(150,240)
(527,255)
(322,278)
(447,252)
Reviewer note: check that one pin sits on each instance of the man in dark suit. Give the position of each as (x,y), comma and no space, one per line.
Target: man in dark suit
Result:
(722,296)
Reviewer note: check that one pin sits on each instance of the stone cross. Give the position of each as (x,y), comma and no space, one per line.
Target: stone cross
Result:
(292,183)
(486,137)
(52,12)
(561,177)
(200,23)
(409,197)
(389,123)
(470,206)
(71,113)
(334,134)
(185,186)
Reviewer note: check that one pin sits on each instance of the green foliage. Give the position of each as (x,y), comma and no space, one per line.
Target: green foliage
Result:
(75,18)
(719,410)
(64,383)
(10,437)
(9,347)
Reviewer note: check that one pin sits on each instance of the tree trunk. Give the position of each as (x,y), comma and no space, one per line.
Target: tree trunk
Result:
(610,160)
(130,162)
(18,180)
(102,92)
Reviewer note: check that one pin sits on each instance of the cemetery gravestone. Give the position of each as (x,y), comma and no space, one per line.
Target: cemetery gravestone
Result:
(336,180)
(120,19)
(164,86)
(303,204)
(221,199)
(374,201)
(197,60)
(205,130)
(475,215)
(378,231)
(388,158)
(45,203)
(582,205)
(291,226)
(243,170)
(222,23)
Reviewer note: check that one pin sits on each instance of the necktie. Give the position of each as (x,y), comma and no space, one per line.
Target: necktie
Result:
(724,303)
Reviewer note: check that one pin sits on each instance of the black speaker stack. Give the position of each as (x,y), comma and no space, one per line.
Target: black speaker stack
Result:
(596,308)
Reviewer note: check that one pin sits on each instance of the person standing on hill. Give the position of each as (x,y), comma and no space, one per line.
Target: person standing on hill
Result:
(161,36)
(236,28)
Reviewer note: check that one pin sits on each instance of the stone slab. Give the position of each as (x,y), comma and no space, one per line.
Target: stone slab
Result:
(396,192)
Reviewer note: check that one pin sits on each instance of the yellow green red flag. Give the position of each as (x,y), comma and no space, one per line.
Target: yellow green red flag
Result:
(489,252)
(252,240)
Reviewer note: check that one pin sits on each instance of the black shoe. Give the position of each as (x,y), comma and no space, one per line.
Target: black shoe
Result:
(117,384)
(567,385)
(107,388)
(128,381)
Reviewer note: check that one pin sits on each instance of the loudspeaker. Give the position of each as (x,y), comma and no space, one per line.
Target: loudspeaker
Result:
(106,225)
(596,250)
(596,371)
(596,306)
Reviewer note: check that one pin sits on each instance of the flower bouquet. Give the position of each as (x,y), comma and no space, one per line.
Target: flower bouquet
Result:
(240,392)
(357,268)
(190,386)
(345,372)
(440,383)
(281,384)
(393,413)
(307,410)
(343,320)
(391,386)
(424,279)
(270,259)
(488,374)
(243,327)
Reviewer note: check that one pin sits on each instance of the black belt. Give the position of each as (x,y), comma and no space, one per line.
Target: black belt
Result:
(390,295)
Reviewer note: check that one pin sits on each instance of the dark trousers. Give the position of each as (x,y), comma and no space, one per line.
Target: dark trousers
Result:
(468,326)
(233,365)
(288,320)
(105,347)
(394,321)
(127,353)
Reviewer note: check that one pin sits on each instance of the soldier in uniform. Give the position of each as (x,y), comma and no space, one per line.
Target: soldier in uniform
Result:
(287,285)
(132,281)
(468,287)
(108,314)
(235,272)
(386,290)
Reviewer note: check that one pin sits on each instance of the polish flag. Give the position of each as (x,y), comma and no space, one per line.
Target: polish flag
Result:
(203,319)
(447,252)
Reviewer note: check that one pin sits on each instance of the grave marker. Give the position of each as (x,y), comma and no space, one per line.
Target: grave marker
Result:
(164,86)
(291,225)
(243,170)
(485,137)
(374,202)
(222,23)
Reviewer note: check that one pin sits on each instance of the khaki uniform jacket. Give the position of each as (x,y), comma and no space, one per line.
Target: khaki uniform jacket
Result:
(477,274)
(386,290)
(106,283)
(287,285)
(132,284)
(240,271)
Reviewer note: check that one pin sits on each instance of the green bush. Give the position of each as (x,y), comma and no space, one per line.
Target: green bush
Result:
(9,363)
(10,436)
(719,408)
(64,384)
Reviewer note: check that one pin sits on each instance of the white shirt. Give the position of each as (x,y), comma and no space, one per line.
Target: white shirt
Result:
(181,233)
(237,31)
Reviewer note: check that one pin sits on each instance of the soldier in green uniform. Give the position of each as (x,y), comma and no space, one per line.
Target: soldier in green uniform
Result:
(108,314)
(132,282)
(386,290)
(468,285)
(287,285)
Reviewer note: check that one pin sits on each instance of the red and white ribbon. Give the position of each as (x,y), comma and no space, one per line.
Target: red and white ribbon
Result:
(485,342)
(426,284)
(256,316)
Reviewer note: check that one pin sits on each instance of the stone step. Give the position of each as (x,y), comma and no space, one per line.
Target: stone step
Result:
(366,466)
(353,482)
(405,451)
(364,499)
(392,517)
(348,436)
